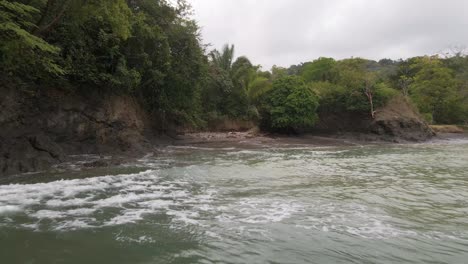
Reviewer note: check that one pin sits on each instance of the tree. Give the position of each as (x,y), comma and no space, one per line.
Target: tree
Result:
(288,106)
(358,84)
(278,72)
(229,83)
(369,87)
(22,53)
(403,77)
(354,88)
(322,69)
(404,83)
(150,49)
(223,59)
(434,90)
(257,87)
(242,72)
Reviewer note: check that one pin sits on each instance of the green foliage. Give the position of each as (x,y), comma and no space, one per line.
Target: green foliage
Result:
(384,93)
(228,84)
(434,91)
(147,48)
(242,72)
(151,50)
(116,14)
(258,86)
(278,72)
(289,105)
(183,84)
(93,56)
(322,69)
(224,58)
(218,87)
(349,86)
(22,53)
(333,97)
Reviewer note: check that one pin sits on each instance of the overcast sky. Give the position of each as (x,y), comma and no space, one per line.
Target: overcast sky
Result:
(285,32)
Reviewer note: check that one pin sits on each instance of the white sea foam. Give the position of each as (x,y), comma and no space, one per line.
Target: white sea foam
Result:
(354,219)
(128,216)
(186,217)
(259,211)
(122,199)
(42,214)
(74,224)
(138,240)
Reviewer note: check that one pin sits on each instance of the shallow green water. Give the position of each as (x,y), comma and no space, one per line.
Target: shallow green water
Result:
(281,204)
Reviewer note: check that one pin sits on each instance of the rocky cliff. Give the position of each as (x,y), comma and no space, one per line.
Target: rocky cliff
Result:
(40,129)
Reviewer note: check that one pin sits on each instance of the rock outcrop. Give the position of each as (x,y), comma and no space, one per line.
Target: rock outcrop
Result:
(400,120)
(39,130)
(396,121)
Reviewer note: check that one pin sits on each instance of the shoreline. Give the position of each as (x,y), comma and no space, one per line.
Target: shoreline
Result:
(249,138)
(314,139)
(92,164)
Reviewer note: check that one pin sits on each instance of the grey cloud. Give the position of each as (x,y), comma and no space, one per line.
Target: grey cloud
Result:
(285,32)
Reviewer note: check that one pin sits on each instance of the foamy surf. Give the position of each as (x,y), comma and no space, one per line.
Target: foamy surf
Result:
(406,201)
(77,204)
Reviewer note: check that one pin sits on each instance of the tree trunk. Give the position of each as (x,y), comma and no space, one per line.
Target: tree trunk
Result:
(368,93)
(371,102)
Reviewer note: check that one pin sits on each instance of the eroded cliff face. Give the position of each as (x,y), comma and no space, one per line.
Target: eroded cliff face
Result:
(397,121)
(39,130)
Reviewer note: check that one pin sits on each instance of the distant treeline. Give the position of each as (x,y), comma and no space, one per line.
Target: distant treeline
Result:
(152,50)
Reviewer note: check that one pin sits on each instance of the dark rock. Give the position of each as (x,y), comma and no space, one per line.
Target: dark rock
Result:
(43,143)
(403,129)
(20,156)
(40,130)
(96,164)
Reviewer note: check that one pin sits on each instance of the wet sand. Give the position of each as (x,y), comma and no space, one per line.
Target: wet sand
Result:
(255,138)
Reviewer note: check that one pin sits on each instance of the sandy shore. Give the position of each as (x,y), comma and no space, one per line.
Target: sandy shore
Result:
(255,138)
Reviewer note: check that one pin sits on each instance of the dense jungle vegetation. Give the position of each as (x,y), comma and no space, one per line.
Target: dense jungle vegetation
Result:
(152,50)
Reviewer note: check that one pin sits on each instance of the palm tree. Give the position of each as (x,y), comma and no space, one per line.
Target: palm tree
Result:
(242,73)
(223,59)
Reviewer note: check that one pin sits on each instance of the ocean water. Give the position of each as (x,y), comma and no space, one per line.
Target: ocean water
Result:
(230,204)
